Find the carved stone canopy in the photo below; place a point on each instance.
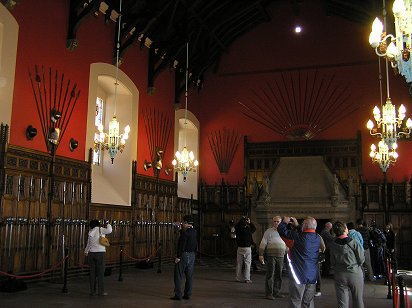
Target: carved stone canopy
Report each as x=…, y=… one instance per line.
x=300, y=187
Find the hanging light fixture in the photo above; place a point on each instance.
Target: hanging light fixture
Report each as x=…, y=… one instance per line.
x=185, y=161
x=113, y=141
x=396, y=48
x=390, y=126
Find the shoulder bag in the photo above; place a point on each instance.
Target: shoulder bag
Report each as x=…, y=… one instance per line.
x=104, y=241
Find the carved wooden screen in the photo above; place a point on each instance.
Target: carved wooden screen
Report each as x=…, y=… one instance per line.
x=343, y=157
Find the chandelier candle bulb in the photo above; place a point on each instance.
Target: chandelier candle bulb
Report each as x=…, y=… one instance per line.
x=113, y=141
x=185, y=161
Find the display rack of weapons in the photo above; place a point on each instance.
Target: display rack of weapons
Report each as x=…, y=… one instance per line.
x=156, y=226
x=23, y=224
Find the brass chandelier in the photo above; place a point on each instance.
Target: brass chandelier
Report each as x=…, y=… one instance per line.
x=185, y=161
x=390, y=125
x=113, y=141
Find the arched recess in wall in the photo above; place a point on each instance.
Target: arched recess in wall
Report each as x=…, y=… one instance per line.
x=187, y=135
x=9, y=30
x=111, y=182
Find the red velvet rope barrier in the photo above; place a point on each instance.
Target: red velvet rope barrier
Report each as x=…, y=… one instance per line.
x=139, y=259
x=35, y=275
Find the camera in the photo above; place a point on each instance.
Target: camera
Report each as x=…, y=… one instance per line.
x=245, y=219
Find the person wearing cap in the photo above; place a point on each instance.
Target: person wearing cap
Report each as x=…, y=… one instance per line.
x=185, y=259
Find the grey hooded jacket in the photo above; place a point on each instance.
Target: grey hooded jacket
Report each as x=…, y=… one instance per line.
x=346, y=255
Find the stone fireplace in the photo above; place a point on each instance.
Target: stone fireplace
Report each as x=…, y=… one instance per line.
x=299, y=187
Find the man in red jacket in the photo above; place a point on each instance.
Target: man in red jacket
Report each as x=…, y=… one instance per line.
x=303, y=260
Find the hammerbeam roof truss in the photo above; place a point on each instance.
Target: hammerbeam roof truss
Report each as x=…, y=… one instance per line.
x=210, y=27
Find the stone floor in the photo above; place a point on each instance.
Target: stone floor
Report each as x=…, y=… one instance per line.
x=214, y=286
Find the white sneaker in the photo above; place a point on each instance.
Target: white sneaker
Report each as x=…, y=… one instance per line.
x=318, y=294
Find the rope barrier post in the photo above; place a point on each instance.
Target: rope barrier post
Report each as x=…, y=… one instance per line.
x=393, y=282
x=121, y=264
x=66, y=265
x=159, y=254
x=407, y=297
x=388, y=276
x=401, y=284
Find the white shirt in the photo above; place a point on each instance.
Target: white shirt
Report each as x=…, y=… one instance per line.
x=93, y=244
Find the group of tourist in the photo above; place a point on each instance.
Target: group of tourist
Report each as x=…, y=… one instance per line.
x=376, y=244
x=346, y=249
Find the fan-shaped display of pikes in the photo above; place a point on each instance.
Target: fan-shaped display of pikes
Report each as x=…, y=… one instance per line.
x=158, y=127
x=224, y=144
x=299, y=105
x=55, y=99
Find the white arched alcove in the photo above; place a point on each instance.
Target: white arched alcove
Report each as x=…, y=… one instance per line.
x=111, y=182
x=187, y=135
x=9, y=31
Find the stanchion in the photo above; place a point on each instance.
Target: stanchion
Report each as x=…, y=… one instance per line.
x=389, y=277
x=66, y=265
x=159, y=254
x=401, y=286
x=121, y=264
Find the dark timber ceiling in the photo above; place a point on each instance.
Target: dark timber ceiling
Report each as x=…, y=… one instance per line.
x=210, y=26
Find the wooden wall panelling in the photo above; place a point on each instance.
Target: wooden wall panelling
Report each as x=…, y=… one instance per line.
x=343, y=157
x=219, y=204
x=157, y=208
x=27, y=233
x=397, y=211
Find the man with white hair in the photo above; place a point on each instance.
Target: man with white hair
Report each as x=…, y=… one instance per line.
x=303, y=260
x=275, y=249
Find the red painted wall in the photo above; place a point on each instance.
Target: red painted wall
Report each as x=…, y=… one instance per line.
x=42, y=41
x=332, y=44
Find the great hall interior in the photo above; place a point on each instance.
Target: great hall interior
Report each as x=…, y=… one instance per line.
x=275, y=119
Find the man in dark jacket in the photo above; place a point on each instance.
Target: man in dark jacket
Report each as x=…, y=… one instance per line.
x=185, y=259
x=303, y=260
x=244, y=230
x=378, y=243
x=364, y=231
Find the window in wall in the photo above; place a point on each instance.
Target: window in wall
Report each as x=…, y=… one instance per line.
x=98, y=120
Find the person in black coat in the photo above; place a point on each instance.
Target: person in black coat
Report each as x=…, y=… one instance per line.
x=390, y=245
x=377, y=243
x=244, y=230
x=185, y=259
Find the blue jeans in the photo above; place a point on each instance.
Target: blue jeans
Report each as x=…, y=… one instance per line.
x=184, y=268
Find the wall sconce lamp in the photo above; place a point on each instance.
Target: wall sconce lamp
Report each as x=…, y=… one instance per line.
x=73, y=144
x=31, y=132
